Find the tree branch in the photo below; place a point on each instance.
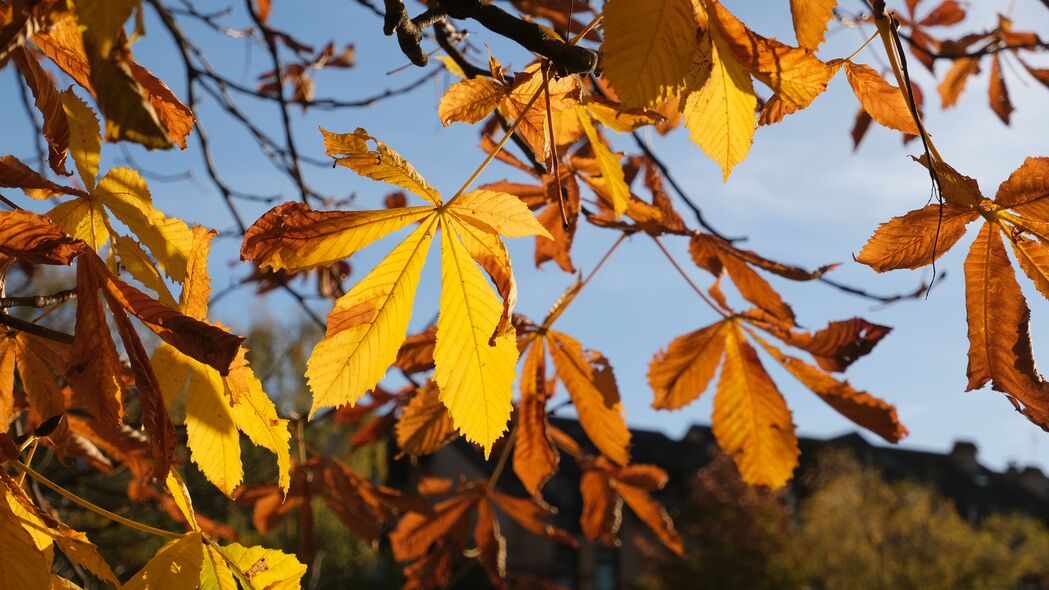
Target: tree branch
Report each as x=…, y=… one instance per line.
x=35, y=329
x=566, y=57
x=38, y=301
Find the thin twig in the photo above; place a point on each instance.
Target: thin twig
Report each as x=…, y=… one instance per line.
x=35, y=329
x=38, y=300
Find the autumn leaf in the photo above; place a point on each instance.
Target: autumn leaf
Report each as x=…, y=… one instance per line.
x=293, y=236
x=592, y=386
x=859, y=406
x=470, y=101
x=751, y=421
x=535, y=458
x=605, y=487
x=608, y=162
x=475, y=378
x=219, y=407
x=647, y=48
x=884, y=102
x=681, y=373
x=916, y=239
x=33, y=238
x=176, y=565
x=355, y=353
x=424, y=426
x=46, y=96
x=810, y=20
x=475, y=352
x=720, y=113
x=352, y=151
x=265, y=568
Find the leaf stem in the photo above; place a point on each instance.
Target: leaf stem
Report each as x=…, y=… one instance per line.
x=570, y=294
x=862, y=47
x=498, y=147
x=688, y=279
x=33, y=444
x=494, y=479
x=25, y=469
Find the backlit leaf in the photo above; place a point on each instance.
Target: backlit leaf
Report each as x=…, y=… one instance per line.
x=475, y=378
x=647, y=48
x=751, y=421
x=367, y=325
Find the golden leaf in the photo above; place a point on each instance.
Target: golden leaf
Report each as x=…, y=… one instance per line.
x=647, y=48
x=751, y=420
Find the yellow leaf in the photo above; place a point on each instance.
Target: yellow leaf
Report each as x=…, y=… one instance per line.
x=720, y=116
x=176, y=566
x=85, y=140
x=475, y=378
x=810, y=20
x=266, y=568
x=215, y=574
x=256, y=416
x=608, y=163
x=500, y=213
x=489, y=251
x=25, y=561
x=135, y=260
x=351, y=150
x=294, y=237
x=451, y=66
x=196, y=289
x=647, y=47
x=211, y=433
x=177, y=488
x=103, y=20
x=125, y=193
x=751, y=420
x=172, y=369
x=367, y=325
x=884, y=102
x=594, y=395
x=470, y=101
x=795, y=74
x=83, y=219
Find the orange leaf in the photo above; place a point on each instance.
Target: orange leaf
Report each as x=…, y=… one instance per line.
x=884, y=102
x=861, y=407
x=998, y=93
x=594, y=394
x=1026, y=191
x=999, y=326
x=810, y=20
x=535, y=459
x=916, y=239
x=679, y=375
x=33, y=238
x=751, y=420
x=424, y=426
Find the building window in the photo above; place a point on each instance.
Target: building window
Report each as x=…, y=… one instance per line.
x=566, y=566
x=606, y=569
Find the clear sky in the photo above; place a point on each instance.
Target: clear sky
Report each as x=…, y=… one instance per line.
x=801, y=196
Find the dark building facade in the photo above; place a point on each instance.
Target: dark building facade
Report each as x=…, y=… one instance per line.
x=976, y=491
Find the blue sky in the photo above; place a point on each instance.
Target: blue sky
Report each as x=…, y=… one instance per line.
x=801, y=196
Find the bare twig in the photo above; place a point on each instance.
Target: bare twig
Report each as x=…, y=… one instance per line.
x=35, y=329
x=38, y=301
